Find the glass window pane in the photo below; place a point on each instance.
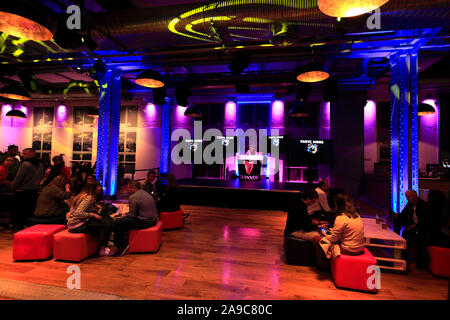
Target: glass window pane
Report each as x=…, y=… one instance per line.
x=121, y=142
x=77, y=141
x=130, y=158
x=131, y=142
x=87, y=156
x=76, y=156
x=37, y=144
x=87, y=142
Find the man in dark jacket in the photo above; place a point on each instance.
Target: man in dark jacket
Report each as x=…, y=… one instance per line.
x=412, y=218
x=142, y=214
x=26, y=185
x=299, y=223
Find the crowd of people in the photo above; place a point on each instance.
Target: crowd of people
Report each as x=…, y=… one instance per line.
x=311, y=218
x=76, y=198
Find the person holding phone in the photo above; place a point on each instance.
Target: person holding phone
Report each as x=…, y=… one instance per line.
x=348, y=229
x=84, y=217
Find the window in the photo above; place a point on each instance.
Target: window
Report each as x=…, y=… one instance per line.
x=42, y=131
x=127, y=137
x=83, y=134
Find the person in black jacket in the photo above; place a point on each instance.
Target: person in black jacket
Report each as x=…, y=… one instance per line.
x=299, y=223
x=153, y=186
x=170, y=200
x=412, y=219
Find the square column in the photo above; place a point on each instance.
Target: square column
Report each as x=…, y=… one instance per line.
x=404, y=129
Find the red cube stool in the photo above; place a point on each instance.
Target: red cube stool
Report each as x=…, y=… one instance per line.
x=74, y=246
x=351, y=272
x=439, y=261
x=172, y=220
x=36, y=242
x=146, y=240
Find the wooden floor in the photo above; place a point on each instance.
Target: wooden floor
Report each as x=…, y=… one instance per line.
x=220, y=254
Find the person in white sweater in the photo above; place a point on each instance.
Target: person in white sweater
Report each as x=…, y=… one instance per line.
x=348, y=229
x=320, y=208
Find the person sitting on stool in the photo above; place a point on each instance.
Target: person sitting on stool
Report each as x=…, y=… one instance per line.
x=320, y=208
x=142, y=215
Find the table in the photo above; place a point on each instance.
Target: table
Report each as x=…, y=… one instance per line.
x=377, y=237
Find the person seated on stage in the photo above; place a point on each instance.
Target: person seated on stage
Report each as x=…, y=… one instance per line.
x=152, y=185
x=84, y=217
x=320, y=208
x=348, y=229
x=412, y=218
x=51, y=200
x=58, y=168
x=170, y=200
x=142, y=215
x=5, y=163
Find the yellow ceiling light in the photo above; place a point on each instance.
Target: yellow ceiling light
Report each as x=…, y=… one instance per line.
x=23, y=21
x=348, y=8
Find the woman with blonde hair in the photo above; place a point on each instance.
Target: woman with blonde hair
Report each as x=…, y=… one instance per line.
x=348, y=229
x=84, y=217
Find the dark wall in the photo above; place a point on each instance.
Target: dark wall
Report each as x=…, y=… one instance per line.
x=444, y=101
x=347, y=134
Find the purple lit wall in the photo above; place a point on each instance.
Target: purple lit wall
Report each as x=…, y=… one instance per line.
x=277, y=115
x=230, y=114
x=324, y=121
x=429, y=136
x=370, y=136
x=324, y=133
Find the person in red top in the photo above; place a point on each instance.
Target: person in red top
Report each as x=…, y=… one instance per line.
x=58, y=168
x=4, y=169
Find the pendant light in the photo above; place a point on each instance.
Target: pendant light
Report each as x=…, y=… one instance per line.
x=348, y=8
x=14, y=113
x=93, y=113
x=20, y=19
x=299, y=110
x=15, y=92
x=425, y=109
x=313, y=72
x=151, y=79
x=193, y=112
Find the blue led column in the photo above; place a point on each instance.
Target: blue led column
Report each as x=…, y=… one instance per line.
x=165, y=137
x=404, y=128
x=108, y=131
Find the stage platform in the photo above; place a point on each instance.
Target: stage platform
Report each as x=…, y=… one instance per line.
x=261, y=194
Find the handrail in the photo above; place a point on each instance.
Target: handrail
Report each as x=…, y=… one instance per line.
x=154, y=169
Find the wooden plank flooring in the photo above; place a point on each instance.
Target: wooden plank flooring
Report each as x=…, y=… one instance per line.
x=220, y=254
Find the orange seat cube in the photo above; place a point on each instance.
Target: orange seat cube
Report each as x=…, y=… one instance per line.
x=172, y=220
x=351, y=272
x=36, y=242
x=439, y=261
x=146, y=240
x=74, y=246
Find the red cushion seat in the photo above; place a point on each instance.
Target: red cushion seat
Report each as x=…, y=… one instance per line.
x=146, y=240
x=172, y=220
x=439, y=261
x=351, y=272
x=36, y=242
x=74, y=246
